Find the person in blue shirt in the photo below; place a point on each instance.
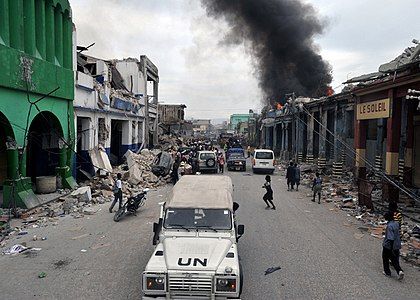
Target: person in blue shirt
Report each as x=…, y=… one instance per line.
x=317, y=187
x=391, y=246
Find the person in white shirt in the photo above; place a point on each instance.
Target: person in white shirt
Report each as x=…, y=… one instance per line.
x=117, y=193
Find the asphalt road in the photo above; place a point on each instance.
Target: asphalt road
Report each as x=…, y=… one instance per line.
x=319, y=257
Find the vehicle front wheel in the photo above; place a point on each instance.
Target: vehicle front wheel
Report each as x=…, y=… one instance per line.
x=241, y=278
x=119, y=214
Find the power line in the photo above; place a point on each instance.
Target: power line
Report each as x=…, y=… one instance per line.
x=400, y=186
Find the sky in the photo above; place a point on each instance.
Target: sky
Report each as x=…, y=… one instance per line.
x=216, y=80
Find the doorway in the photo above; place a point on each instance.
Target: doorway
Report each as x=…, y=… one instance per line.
x=43, y=145
x=116, y=142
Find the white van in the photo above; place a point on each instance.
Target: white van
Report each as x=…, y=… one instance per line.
x=263, y=161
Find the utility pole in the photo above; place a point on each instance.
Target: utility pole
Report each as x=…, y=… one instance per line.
x=293, y=127
x=294, y=135
x=146, y=105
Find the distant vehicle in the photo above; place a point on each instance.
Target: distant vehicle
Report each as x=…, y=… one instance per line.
x=233, y=150
x=262, y=161
x=207, y=161
x=236, y=160
x=131, y=205
x=196, y=254
x=162, y=164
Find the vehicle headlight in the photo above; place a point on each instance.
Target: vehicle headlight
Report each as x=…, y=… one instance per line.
x=155, y=282
x=226, y=284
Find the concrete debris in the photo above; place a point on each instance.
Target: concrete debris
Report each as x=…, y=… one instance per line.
x=83, y=194
x=342, y=192
x=100, y=159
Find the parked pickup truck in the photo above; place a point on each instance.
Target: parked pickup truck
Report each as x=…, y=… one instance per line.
x=196, y=256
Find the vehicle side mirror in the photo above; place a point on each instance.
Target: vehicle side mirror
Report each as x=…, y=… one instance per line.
x=235, y=206
x=241, y=230
x=156, y=229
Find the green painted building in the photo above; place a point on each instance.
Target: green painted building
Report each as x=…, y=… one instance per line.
x=36, y=97
x=235, y=119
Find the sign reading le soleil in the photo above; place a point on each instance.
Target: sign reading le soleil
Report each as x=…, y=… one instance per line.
x=373, y=110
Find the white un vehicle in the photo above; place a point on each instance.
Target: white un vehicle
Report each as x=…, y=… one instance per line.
x=196, y=256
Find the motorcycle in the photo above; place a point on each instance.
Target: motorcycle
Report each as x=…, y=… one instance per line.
x=131, y=205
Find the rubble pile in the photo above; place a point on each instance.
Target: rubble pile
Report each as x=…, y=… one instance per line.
x=136, y=175
x=343, y=193
x=168, y=142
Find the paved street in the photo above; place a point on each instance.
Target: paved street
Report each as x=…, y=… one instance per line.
x=319, y=257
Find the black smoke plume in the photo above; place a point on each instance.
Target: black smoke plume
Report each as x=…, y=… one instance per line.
x=280, y=36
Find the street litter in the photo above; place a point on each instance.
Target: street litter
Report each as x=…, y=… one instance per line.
x=80, y=236
x=16, y=249
x=83, y=250
x=271, y=270
x=358, y=236
x=99, y=246
x=42, y=275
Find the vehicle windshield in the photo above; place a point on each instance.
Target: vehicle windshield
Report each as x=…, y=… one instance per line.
x=216, y=219
x=264, y=155
x=205, y=156
x=236, y=155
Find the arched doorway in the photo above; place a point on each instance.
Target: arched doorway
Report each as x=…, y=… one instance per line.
x=6, y=137
x=43, y=151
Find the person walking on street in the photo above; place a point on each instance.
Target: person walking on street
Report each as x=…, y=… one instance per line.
x=296, y=176
x=117, y=193
x=391, y=246
x=175, y=167
x=290, y=177
x=317, y=187
x=268, y=196
x=221, y=161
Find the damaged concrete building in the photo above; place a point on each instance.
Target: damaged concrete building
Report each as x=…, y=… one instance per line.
x=311, y=142
x=172, y=119
x=371, y=126
x=115, y=110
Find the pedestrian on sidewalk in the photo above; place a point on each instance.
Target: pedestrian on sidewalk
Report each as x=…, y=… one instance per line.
x=290, y=176
x=391, y=247
x=317, y=187
x=117, y=193
x=221, y=161
x=296, y=176
x=268, y=196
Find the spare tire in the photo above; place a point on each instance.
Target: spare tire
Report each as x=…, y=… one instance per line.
x=210, y=162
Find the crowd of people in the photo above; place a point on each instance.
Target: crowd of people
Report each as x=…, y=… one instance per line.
x=189, y=155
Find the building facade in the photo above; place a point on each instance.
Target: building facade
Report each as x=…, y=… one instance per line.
x=111, y=108
x=373, y=126
x=201, y=127
x=172, y=119
x=383, y=102
x=36, y=97
x=235, y=119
